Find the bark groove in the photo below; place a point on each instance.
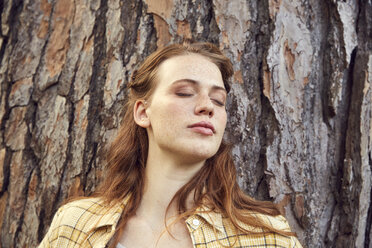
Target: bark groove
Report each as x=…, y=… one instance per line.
x=300, y=107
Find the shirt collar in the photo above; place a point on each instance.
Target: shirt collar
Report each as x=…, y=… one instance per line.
x=112, y=215
x=211, y=217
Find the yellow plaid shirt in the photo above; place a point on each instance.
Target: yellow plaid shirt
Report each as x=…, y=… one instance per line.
x=89, y=223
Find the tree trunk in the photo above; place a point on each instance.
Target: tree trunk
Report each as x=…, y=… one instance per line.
x=300, y=108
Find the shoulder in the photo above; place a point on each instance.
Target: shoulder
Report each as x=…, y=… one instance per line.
x=72, y=211
x=256, y=222
x=86, y=213
x=278, y=222
x=85, y=205
x=218, y=230
x=75, y=221
x=262, y=238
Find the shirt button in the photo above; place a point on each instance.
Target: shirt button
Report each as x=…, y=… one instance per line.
x=196, y=222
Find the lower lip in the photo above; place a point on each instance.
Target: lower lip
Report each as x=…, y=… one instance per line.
x=203, y=130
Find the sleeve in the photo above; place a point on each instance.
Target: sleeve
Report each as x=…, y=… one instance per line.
x=50, y=236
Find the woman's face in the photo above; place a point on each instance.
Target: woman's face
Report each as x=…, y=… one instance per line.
x=186, y=113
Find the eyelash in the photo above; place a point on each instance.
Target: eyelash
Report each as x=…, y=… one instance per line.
x=186, y=95
x=218, y=103
x=183, y=94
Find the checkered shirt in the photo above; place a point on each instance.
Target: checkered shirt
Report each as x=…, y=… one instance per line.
x=89, y=223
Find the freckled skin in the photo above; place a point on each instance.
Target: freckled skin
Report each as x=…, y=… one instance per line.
x=189, y=89
x=175, y=106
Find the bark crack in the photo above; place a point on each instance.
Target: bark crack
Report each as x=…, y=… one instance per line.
x=368, y=232
x=96, y=87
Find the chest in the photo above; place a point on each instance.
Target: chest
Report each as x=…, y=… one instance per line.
x=140, y=234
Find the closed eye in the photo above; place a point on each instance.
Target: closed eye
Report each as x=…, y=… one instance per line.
x=183, y=94
x=219, y=103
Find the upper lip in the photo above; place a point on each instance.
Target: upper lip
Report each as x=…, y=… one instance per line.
x=205, y=124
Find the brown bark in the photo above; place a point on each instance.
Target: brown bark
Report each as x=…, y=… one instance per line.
x=300, y=108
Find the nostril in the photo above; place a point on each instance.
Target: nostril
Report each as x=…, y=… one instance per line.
x=204, y=108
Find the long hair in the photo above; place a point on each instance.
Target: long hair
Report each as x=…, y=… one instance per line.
x=215, y=184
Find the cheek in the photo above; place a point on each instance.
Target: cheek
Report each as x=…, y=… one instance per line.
x=176, y=109
x=222, y=120
x=169, y=114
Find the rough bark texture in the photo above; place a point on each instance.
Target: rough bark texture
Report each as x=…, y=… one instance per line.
x=300, y=109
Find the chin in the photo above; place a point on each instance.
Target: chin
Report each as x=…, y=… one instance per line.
x=197, y=154
x=191, y=151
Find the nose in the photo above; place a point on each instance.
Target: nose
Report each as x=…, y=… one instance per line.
x=204, y=106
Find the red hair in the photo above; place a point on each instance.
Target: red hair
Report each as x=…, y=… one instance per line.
x=215, y=184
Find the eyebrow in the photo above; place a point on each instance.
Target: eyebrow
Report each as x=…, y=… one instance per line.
x=187, y=80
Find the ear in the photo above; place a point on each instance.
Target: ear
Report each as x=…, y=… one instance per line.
x=140, y=115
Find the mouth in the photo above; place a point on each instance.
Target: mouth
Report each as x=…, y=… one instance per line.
x=203, y=127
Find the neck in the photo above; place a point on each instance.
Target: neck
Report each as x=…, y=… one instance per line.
x=164, y=177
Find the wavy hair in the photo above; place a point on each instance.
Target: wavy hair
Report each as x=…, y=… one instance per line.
x=215, y=184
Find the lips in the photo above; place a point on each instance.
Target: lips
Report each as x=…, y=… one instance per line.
x=203, y=127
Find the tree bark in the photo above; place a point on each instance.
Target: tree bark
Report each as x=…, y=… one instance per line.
x=300, y=108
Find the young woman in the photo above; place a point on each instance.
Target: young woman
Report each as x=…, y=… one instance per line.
x=171, y=181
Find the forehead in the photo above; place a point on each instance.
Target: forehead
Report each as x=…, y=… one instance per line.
x=191, y=66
